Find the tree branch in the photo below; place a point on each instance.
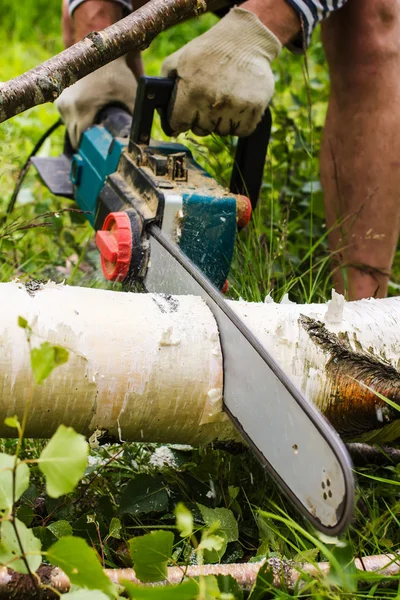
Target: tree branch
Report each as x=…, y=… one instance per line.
x=364, y=454
x=135, y=32
x=286, y=574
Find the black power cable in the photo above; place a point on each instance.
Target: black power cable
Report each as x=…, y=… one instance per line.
x=27, y=164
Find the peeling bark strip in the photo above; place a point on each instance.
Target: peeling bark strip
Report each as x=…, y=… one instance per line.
x=324, y=347
x=152, y=370
x=141, y=366
x=135, y=32
x=286, y=575
x=354, y=409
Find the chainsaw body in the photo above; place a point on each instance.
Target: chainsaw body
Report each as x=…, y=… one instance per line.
x=154, y=209
x=119, y=169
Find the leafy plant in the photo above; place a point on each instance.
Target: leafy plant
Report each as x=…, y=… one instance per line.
x=63, y=463
x=284, y=250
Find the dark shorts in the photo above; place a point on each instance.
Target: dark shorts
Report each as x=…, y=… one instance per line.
x=311, y=12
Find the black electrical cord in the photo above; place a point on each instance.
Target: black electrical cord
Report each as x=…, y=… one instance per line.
x=27, y=164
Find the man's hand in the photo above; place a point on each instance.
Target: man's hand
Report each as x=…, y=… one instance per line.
x=79, y=104
x=224, y=77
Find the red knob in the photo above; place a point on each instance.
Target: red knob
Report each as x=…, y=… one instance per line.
x=243, y=210
x=225, y=287
x=114, y=242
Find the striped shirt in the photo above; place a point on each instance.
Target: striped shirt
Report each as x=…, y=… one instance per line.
x=311, y=12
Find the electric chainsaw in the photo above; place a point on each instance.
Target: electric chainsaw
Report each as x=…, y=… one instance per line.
x=163, y=222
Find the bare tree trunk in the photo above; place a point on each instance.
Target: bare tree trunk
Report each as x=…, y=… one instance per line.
x=286, y=574
x=149, y=368
x=135, y=32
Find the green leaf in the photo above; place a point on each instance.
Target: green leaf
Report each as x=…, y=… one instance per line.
x=61, y=355
x=45, y=359
x=150, y=554
x=222, y=519
x=264, y=582
x=345, y=574
x=213, y=546
x=80, y=563
x=212, y=591
x=234, y=504
x=22, y=322
x=25, y=514
x=7, y=463
x=45, y=536
x=184, y=520
x=115, y=528
x=10, y=551
x=144, y=494
x=63, y=461
x=12, y=422
x=60, y=528
x=212, y=542
x=185, y=591
x=60, y=509
x=88, y=527
x=309, y=555
x=233, y=492
x=228, y=585
x=86, y=595
x=223, y=525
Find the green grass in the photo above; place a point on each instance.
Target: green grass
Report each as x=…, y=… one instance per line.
x=284, y=251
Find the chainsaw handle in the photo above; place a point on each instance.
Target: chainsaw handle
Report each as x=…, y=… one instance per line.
x=155, y=93
x=250, y=155
x=152, y=93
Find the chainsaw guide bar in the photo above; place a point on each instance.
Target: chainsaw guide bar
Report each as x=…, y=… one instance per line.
x=291, y=438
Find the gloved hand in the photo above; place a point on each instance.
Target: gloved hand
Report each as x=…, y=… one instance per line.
x=224, y=77
x=79, y=104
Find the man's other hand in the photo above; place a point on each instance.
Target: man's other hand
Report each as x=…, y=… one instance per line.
x=79, y=104
x=224, y=77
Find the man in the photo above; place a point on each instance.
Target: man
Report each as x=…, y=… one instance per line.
x=225, y=81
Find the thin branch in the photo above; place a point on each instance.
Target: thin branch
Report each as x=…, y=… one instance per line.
x=14, y=525
x=97, y=473
x=135, y=32
x=364, y=454
x=286, y=574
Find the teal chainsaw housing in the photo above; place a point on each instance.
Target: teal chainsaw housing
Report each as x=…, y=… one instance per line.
x=124, y=182
x=207, y=221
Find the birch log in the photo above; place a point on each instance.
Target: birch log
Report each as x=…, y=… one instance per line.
x=148, y=367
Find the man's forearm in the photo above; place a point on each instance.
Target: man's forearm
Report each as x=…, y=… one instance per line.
x=94, y=15
x=67, y=26
x=278, y=16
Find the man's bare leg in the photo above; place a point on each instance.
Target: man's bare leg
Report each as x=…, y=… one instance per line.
x=360, y=161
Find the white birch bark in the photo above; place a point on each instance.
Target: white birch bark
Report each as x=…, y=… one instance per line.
x=141, y=366
x=145, y=367
x=332, y=351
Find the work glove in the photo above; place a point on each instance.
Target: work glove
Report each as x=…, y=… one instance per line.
x=79, y=104
x=224, y=77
